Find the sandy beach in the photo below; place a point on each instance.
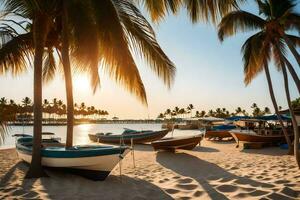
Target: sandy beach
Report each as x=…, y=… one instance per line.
x=212, y=171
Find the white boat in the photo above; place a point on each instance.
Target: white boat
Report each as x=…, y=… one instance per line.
x=91, y=161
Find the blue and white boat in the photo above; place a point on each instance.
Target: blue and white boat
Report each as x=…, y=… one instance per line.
x=91, y=161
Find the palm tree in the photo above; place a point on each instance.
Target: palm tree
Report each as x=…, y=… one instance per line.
x=161, y=116
x=130, y=26
x=190, y=108
x=168, y=112
x=279, y=18
x=267, y=110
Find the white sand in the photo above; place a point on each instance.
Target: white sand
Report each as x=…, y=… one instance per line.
x=212, y=171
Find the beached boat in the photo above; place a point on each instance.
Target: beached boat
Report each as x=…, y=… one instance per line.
x=137, y=137
x=259, y=130
x=219, y=132
x=91, y=161
x=270, y=136
x=173, y=143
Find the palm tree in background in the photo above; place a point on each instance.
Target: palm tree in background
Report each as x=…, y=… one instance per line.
x=279, y=17
x=190, y=108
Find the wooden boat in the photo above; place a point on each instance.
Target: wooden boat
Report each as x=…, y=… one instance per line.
x=259, y=130
x=219, y=132
x=173, y=143
x=138, y=137
x=91, y=161
x=252, y=136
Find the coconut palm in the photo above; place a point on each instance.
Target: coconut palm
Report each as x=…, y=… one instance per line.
x=279, y=18
x=130, y=26
x=280, y=62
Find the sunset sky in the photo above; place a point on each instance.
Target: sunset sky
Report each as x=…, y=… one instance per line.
x=209, y=75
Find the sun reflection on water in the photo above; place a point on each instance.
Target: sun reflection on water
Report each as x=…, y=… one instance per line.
x=82, y=131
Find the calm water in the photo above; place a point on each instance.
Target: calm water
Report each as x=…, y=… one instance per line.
x=81, y=131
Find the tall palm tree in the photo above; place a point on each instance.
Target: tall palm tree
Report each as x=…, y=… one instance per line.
x=40, y=13
x=279, y=18
x=127, y=25
x=281, y=63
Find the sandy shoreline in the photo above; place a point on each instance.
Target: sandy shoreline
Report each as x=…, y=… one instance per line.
x=212, y=171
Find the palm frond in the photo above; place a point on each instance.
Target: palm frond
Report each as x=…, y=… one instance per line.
x=143, y=41
x=206, y=10
x=114, y=49
x=85, y=44
x=292, y=22
x=279, y=53
x=239, y=21
x=158, y=9
x=294, y=39
x=49, y=66
x=15, y=54
x=255, y=54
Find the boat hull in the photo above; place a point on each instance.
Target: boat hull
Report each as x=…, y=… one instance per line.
x=217, y=134
x=251, y=136
x=187, y=143
x=91, y=161
x=136, y=138
x=95, y=168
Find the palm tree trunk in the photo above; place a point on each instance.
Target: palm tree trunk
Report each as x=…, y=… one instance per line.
x=68, y=78
x=292, y=49
x=294, y=121
x=267, y=72
x=41, y=25
x=293, y=73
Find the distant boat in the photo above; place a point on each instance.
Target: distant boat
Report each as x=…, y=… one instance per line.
x=91, y=161
x=220, y=131
x=173, y=143
x=138, y=137
x=262, y=130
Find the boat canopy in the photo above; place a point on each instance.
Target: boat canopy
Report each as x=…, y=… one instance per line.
x=274, y=118
x=211, y=119
x=267, y=118
x=237, y=118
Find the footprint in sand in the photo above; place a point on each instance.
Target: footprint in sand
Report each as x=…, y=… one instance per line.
x=227, y=188
x=185, y=198
x=172, y=191
x=257, y=193
x=176, y=177
x=290, y=192
x=279, y=196
x=282, y=181
x=187, y=187
x=185, y=180
x=198, y=193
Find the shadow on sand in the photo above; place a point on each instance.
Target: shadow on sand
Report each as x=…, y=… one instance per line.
x=215, y=181
x=205, y=149
x=270, y=151
x=143, y=147
x=61, y=185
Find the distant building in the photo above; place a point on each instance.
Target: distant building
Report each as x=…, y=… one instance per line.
x=115, y=118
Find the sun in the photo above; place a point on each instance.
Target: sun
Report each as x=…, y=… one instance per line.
x=81, y=83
